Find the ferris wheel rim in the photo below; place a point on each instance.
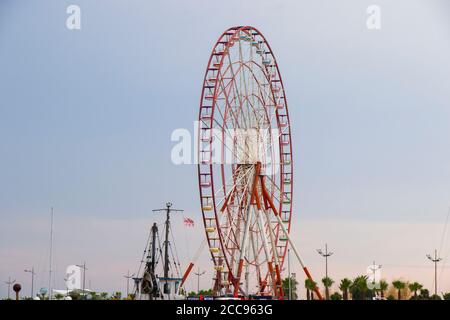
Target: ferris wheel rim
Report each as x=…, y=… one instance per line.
x=229, y=33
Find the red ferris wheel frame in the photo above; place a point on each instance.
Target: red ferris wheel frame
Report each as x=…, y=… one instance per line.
x=227, y=255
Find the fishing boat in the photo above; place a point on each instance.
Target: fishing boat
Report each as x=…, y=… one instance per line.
x=159, y=274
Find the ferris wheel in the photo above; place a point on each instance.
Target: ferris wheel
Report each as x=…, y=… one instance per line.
x=245, y=168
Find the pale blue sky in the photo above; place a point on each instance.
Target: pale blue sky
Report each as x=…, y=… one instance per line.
x=86, y=116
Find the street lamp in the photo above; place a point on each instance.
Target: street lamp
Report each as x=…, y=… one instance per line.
x=128, y=277
x=435, y=260
x=325, y=254
x=9, y=283
x=198, y=274
x=32, y=279
x=83, y=266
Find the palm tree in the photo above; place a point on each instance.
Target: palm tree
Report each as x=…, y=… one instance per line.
x=310, y=286
x=344, y=286
x=327, y=283
x=424, y=294
x=359, y=289
x=383, y=287
x=414, y=287
x=399, y=285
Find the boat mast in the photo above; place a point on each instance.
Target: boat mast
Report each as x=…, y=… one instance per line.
x=154, y=232
x=168, y=210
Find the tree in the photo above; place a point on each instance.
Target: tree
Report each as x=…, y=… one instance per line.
x=310, y=286
x=59, y=296
x=104, y=295
x=117, y=295
x=359, y=289
x=327, y=283
x=344, y=286
x=414, y=287
x=285, y=284
x=399, y=285
x=435, y=297
x=336, y=296
x=75, y=295
x=446, y=296
x=93, y=296
x=424, y=294
x=383, y=287
x=208, y=292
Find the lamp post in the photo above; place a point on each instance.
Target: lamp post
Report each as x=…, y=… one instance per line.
x=199, y=274
x=435, y=260
x=325, y=254
x=9, y=283
x=128, y=277
x=32, y=279
x=83, y=266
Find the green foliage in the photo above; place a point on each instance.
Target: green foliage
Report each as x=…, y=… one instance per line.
x=446, y=296
x=208, y=292
x=59, y=296
x=117, y=295
x=75, y=295
x=424, y=294
x=414, y=287
x=344, y=287
x=399, y=285
x=360, y=290
x=336, y=296
x=93, y=296
x=310, y=286
x=327, y=283
x=383, y=286
x=435, y=297
x=285, y=284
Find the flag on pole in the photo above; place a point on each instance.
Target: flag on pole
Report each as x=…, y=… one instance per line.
x=188, y=222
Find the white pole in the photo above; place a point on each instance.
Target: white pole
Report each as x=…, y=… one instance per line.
x=51, y=257
x=289, y=271
x=290, y=241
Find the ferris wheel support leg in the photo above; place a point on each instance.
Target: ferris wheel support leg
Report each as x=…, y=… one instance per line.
x=243, y=247
x=275, y=256
x=297, y=254
x=267, y=252
x=255, y=254
x=242, y=253
x=194, y=261
x=186, y=273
